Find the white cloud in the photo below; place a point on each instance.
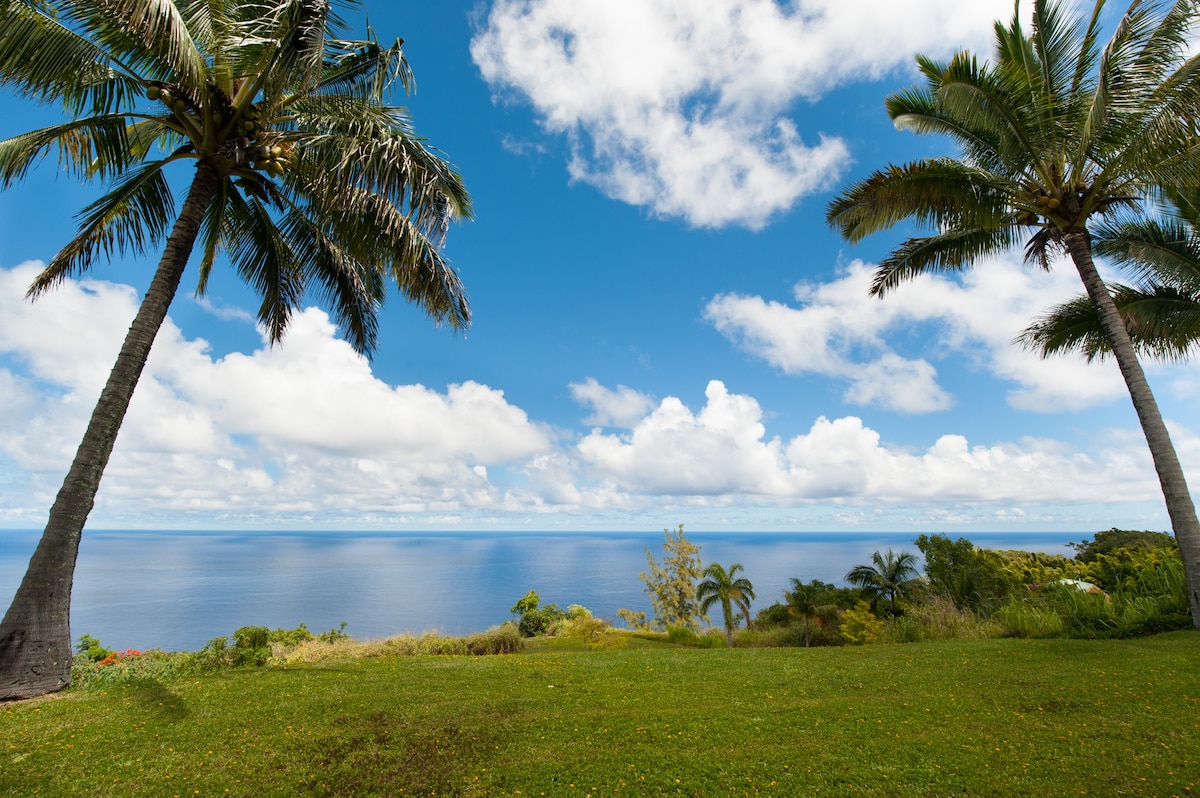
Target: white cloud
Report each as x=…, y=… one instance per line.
x=300, y=428
x=838, y=330
x=722, y=451
x=683, y=107
x=304, y=434
x=623, y=407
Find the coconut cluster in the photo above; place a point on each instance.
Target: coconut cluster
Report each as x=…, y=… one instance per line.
x=1047, y=202
x=267, y=151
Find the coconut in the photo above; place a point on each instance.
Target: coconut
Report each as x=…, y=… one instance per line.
x=153, y=92
x=1053, y=203
x=179, y=106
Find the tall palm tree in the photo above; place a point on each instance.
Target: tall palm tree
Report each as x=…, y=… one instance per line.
x=1161, y=310
x=888, y=576
x=304, y=176
x=1055, y=132
x=728, y=589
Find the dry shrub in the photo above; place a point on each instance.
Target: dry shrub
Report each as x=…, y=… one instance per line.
x=940, y=619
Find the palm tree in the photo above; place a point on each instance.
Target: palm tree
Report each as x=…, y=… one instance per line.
x=304, y=176
x=1055, y=131
x=888, y=576
x=802, y=603
x=1161, y=312
x=723, y=587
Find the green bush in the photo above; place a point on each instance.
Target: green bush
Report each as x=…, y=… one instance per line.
x=290, y=638
x=89, y=649
x=251, y=646
x=859, y=625
x=538, y=621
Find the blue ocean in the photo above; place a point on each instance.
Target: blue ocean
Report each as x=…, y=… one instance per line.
x=177, y=590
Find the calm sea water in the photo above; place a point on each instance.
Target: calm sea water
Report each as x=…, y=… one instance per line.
x=177, y=590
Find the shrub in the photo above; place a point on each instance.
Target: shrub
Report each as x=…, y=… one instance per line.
x=859, y=625
x=290, y=638
x=89, y=649
x=503, y=639
x=251, y=647
x=539, y=621
x=682, y=636
x=775, y=615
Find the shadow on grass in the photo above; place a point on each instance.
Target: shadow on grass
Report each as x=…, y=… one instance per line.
x=157, y=700
x=379, y=754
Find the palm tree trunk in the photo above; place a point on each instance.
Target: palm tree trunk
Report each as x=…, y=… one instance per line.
x=35, y=635
x=1180, y=507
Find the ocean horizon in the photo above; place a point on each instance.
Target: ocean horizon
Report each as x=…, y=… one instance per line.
x=175, y=590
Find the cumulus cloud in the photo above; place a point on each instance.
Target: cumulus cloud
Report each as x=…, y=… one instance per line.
x=622, y=407
x=304, y=434
x=723, y=451
x=303, y=428
x=689, y=109
x=836, y=329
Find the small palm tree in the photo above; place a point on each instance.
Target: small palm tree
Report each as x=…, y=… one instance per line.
x=729, y=590
x=304, y=176
x=802, y=603
x=888, y=576
x=1056, y=132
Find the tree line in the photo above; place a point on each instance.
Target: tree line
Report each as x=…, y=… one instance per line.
x=1117, y=583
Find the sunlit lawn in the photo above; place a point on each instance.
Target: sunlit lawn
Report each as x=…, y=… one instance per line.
x=969, y=718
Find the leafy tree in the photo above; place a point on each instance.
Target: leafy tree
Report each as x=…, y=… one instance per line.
x=727, y=589
x=303, y=175
x=1056, y=131
x=1114, y=539
x=672, y=585
x=972, y=578
x=888, y=576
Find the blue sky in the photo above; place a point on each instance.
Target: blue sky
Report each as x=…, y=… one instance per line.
x=665, y=329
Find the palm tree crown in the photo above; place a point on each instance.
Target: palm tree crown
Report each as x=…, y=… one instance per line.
x=729, y=590
x=1161, y=310
x=888, y=576
x=1055, y=132
x=305, y=178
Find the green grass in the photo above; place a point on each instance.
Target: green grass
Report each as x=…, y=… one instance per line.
x=949, y=718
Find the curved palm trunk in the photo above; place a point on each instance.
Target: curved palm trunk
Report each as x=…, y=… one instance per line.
x=35, y=635
x=1180, y=507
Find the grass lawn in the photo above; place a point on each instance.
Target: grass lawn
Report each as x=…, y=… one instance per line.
x=962, y=718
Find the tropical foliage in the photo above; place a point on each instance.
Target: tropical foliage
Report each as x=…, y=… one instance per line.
x=303, y=175
x=1056, y=131
x=888, y=576
x=728, y=590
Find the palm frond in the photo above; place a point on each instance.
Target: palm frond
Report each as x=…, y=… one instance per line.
x=45, y=60
x=1163, y=323
x=151, y=36
x=1165, y=251
x=937, y=193
x=951, y=251
x=134, y=214
x=266, y=260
